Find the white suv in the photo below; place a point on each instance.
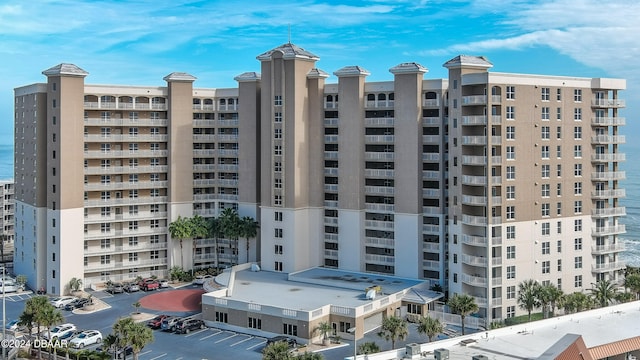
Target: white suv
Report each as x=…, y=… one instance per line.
x=59, y=330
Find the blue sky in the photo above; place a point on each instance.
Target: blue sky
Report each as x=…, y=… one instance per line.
x=139, y=42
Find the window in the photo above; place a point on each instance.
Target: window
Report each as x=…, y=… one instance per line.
x=511, y=252
x=559, y=265
x=155, y=161
x=133, y=162
x=511, y=152
x=154, y=177
x=255, y=323
x=577, y=188
x=277, y=266
x=154, y=223
x=511, y=311
x=545, y=92
x=105, y=243
x=511, y=172
x=545, y=171
x=133, y=147
x=277, y=216
x=577, y=133
x=559, y=246
x=414, y=309
x=559, y=189
x=277, y=117
x=133, y=131
x=559, y=170
x=577, y=281
x=544, y=151
x=577, y=169
x=545, y=190
x=545, y=211
x=577, y=95
x=559, y=151
x=277, y=232
x=511, y=92
x=577, y=225
x=105, y=259
x=577, y=244
x=559, y=212
x=559, y=132
x=278, y=249
x=105, y=211
x=544, y=132
x=277, y=166
x=277, y=134
x=133, y=257
x=133, y=178
x=511, y=292
x=511, y=132
x=277, y=183
x=133, y=225
x=545, y=229
x=559, y=94
x=511, y=112
x=546, y=248
x=511, y=212
x=133, y=193
x=578, y=262
x=577, y=114
x=222, y=317
x=105, y=227
x=511, y=232
x=277, y=100
x=277, y=150
x=511, y=192
x=511, y=272
x=277, y=200
x=577, y=206
x=546, y=267
x=133, y=241
x=544, y=113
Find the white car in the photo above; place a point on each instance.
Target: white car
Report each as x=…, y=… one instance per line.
x=201, y=279
x=61, y=302
x=59, y=331
x=86, y=338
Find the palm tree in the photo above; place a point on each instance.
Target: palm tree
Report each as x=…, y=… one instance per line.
x=51, y=316
x=556, y=298
x=277, y=351
x=603, y=292
x=27, y=320
x=110, y=342
x=462, y=305
x=368, y=347
x=181, y=229
x=215, y=231
x=547, y=294
x=249, y=230
x=75, y=284
x=36, y=307
x=230, y=227
x=139, y=336
x=430, y=326
x=324, y=328
x=632, y=282
x=199, y=229
x=393, y=329
x=528, y=291
x=122, y=332
x=577, y=302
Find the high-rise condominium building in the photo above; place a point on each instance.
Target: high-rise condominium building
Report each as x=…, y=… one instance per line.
x=475, y=182
x=7, y=219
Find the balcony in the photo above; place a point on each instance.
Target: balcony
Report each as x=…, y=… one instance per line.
x=431, y=193
x=227, y=197
x=388, y=208
x=474, y=260
x=379, y=122
x=331, y=254
x=204, y=153
x=608, y=103
x=228, y=152
x=378, y=173
x=125, y=264
x=430, y=102
x=608, y=157
x=124, y=106
x=431, y=139
x=474, y=200
x=474, y=280
x=608, y=121
x=331, y=187
x=227, y=167
x=330, y=139
x=203, y=137
x=607, y=212
x=125, y=122
x=474, y=240
x=614, y=266
x=99, y=154
x=474, y=220
x=205, y=182
x=331, y=221
x=431, y=121
x=431, y=265
x=608, y=139
x=228, y=123
x=608, y=175
x=102, y=138
x=474, y=100
x=204, y=167
x=430, y=229
x=430, y=157
x=205, y=212
x=385, y=156
x=331, y=171
x=379, y=190
x=607, y=249
x=431, y=247
x=331, y=122
x=379, y=139
x=331, y=155
x=331, y=203
x=474, y=160
x=126, y=201
x=227, y=137
x=431, y=175
x=608, y=230
x=380, y=242
x=431, y=210
x=379, y=259
x=125, y=185
x=608, y=194
x=474, y=180
x=378, y=224
x=474, y=140
x=474, y=120
x=100, y=170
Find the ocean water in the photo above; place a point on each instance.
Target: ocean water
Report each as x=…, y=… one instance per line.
x=632, y=201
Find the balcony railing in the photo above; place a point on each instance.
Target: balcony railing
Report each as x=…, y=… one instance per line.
x=606, y=212
x=608, y=175
x=608, y=230
x=608, y=103
x=608, y=157
x=608, y=121
x=613, y=266
x=606, y=249
x=608, y=194
x=608, y=139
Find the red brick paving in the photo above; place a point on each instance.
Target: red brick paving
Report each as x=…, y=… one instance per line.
x=175, y=300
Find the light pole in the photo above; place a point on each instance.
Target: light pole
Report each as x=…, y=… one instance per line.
x=4, y=315
x=355, y=346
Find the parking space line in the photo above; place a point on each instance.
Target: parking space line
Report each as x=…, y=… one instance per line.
x=256, y=345
x=144, y=353
x=196, y=332
x=228, y=337
x=208, y=336
x=159, y=356
x=241, y=341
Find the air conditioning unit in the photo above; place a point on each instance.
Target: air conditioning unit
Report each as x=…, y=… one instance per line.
x=479, y=357
x=412, y=350
x=441, y=354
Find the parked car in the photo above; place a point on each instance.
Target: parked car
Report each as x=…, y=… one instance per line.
x=156, y=322
x=78, y=303
x=13, y=325
x=164, y=283
x=131, y=287
x=201, y=279
x=58, y=331
x=148, y=284
x=68, y=336
x=292, y=343
x=85, y=338
x=119, y=354
x=61, y=302
x=115, y=288
x=186, y=325
x=169, y=323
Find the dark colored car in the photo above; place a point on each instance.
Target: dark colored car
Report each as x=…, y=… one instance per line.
x=291, y=342
x=156, y=322
x=77, y=304
x=187, y=325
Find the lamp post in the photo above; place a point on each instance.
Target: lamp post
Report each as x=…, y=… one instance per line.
x=4, y=315
x=355, y=346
